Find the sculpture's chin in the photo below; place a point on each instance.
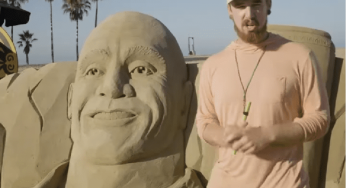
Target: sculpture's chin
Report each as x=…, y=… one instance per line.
x=103, y=143
x=123, y=156
x=112, y=145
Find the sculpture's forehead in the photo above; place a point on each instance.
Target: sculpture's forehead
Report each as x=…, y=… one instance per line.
x=124, y=31
x=131, y=25
x=132, y=20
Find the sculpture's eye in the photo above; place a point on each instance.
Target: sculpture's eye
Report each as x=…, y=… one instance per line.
x=93, y=72
x=141, y=71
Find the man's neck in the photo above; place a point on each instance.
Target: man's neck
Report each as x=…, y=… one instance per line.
x=263, y=38
x=162, y=171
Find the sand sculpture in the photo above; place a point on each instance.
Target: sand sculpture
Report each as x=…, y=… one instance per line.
x=333, y=155
x=128, y=109
x=35, y=130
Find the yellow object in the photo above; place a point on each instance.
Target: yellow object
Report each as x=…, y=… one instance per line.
x=247, y=110
x=245, y=116
x=8, y=55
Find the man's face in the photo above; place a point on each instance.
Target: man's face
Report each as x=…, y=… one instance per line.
x=250, y=19
x=126, y=101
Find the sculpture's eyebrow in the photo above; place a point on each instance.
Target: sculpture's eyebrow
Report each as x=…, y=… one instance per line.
x=145, y=51
x=94, y=56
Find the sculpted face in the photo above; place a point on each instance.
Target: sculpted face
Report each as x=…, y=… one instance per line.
x=130, y=91
x=250, y=19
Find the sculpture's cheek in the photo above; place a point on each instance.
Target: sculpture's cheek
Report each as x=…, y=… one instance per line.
x=106, y=142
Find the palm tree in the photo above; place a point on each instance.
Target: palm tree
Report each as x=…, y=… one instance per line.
x=97, y=7
x=26, y=39
x=76, y=9
x=16, y=3
x=51, y=27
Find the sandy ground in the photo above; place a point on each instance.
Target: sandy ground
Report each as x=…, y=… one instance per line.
x=340, y=52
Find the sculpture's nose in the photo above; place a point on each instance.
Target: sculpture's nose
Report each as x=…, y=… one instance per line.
x=115, y=84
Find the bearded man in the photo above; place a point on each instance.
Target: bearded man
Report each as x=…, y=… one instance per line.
x=275, y=85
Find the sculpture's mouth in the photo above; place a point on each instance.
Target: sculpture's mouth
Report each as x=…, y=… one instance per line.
x=113, y=115
x=114, y=118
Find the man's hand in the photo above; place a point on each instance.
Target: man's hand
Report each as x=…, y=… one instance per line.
x=248, y=140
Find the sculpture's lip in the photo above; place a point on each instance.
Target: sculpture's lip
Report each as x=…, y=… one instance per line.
x=112, y=114
x=111, y=118
x=120, y=122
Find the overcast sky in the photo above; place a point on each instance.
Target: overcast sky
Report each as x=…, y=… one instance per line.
x=205, y=20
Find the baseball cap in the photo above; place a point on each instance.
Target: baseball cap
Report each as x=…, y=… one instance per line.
x=228, y=1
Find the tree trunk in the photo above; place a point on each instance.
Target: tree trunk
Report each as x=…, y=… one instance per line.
x=77, y=38
x=51, y=28
x=12, y=33
x=97, y=7
x=12, y=3
x=27, y=59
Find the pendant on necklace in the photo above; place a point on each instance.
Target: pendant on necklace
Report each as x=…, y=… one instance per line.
x=244, y=103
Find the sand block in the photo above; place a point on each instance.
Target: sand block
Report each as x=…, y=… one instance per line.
x=34, y=117
x=200, y=156
x=335, y=144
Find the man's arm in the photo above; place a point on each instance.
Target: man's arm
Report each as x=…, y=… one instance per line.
x=314, y=99
x=315, y=121
x=208, y=126
x=285, y=134
x=214, y=135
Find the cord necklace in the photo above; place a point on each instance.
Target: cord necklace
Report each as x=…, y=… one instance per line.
x=245, y=90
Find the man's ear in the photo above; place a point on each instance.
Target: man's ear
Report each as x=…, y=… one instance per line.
x=69, y=100
x=230, y=13
x=269, y=6
x=188, y=88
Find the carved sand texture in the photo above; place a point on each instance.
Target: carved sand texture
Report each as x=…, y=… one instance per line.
x=200, y=156
x=335, y=140
x=37, y=131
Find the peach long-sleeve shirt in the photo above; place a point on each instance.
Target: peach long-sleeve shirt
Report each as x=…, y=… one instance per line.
x=287, y=87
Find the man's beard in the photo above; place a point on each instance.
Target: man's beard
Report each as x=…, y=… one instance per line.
x=253, y=37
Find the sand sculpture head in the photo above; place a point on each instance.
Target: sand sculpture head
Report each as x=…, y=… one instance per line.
x=250, y=18
x=131, y=94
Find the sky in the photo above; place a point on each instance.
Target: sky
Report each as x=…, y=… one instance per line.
x=205, y=20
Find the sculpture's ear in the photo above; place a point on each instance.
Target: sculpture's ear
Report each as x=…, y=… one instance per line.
x=188, y=88
x=69, y=100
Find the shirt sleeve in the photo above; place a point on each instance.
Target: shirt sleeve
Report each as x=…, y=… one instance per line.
x=205, y=111
x=314, y=100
